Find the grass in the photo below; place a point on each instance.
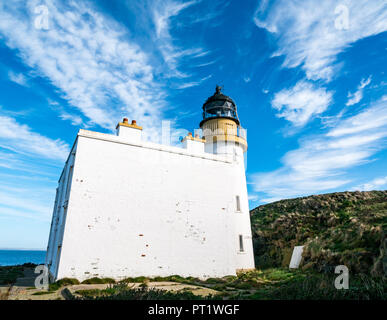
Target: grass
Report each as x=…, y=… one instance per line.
x=264, y=284
x=96, y=280
x=122, y=292
x=71, y=281
x=345, y=228
x=321, y=287
x=268, y=284
x=62, y=282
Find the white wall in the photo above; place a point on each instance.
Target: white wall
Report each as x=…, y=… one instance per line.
x=148, y=210
x=241, y=219
x=60, y=213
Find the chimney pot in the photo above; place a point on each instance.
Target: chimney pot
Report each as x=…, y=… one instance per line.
x=190, y=134
x=125, y=120
x=134, y=122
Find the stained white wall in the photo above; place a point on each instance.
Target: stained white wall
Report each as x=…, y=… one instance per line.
x=143, y=209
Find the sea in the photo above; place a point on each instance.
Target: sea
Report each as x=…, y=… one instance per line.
x=17, y=257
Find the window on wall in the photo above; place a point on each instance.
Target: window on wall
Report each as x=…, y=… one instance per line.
x=238, y=203
x=58, y=251
x=241, y=249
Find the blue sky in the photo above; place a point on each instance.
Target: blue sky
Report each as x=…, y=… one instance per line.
x=308, y=78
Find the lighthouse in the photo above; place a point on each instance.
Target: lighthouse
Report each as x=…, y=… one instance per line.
x=221, y=127
x=224, y=136
x=127, y=207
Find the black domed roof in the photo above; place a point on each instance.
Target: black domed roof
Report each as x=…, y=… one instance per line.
x=219, y=106
x=218, y=96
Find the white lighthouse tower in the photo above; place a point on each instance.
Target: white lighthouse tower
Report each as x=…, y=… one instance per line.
x=127, y=207
x=224, y=136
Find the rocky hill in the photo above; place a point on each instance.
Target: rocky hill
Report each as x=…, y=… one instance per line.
x=346, y=228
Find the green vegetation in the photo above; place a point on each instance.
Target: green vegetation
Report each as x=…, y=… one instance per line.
x=347, y=228
x=62, y=282
x=9, y=274
x=123, y=292
x=98, y=281
x=280, y=284
x=134, y=280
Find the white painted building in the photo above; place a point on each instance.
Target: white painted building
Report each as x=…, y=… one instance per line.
x=126, y=207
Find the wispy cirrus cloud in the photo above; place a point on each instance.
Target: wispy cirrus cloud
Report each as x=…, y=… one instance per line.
x=374, y=184
x=90, y=58
x=75, y=119
x=301, y=103
x=190, y=84
x=19, y=138
x=18, y=78
x=371, y=119
x=163, y=13
x=11, y=205
x=321, y=161
x=312, y=38
x=354, y=98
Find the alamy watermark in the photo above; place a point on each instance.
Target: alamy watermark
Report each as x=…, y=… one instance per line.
x=42, y=280
x=342, y=19
x=342, y=281
x=41, y=21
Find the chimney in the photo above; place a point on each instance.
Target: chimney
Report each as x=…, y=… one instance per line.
x=129, y=132
x=193, y=144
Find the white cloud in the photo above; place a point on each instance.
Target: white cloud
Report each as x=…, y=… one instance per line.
x=163, y=12
x=321, y=161
x=370, y=119
x=18, y=78
x=358, y=95
x=89, y=57
x=34, y=198
x=74, y=119
x=185, y=85
x=253, y=197
x=21, y=139
x=377, y=183
x=309, y=34
x=10, y=204
x=301, y=103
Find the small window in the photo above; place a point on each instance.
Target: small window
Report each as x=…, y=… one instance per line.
x=58, y=251
x=238, y=203
x=241, y=249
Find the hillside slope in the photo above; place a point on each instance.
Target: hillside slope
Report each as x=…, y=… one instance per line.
x=346, y=228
